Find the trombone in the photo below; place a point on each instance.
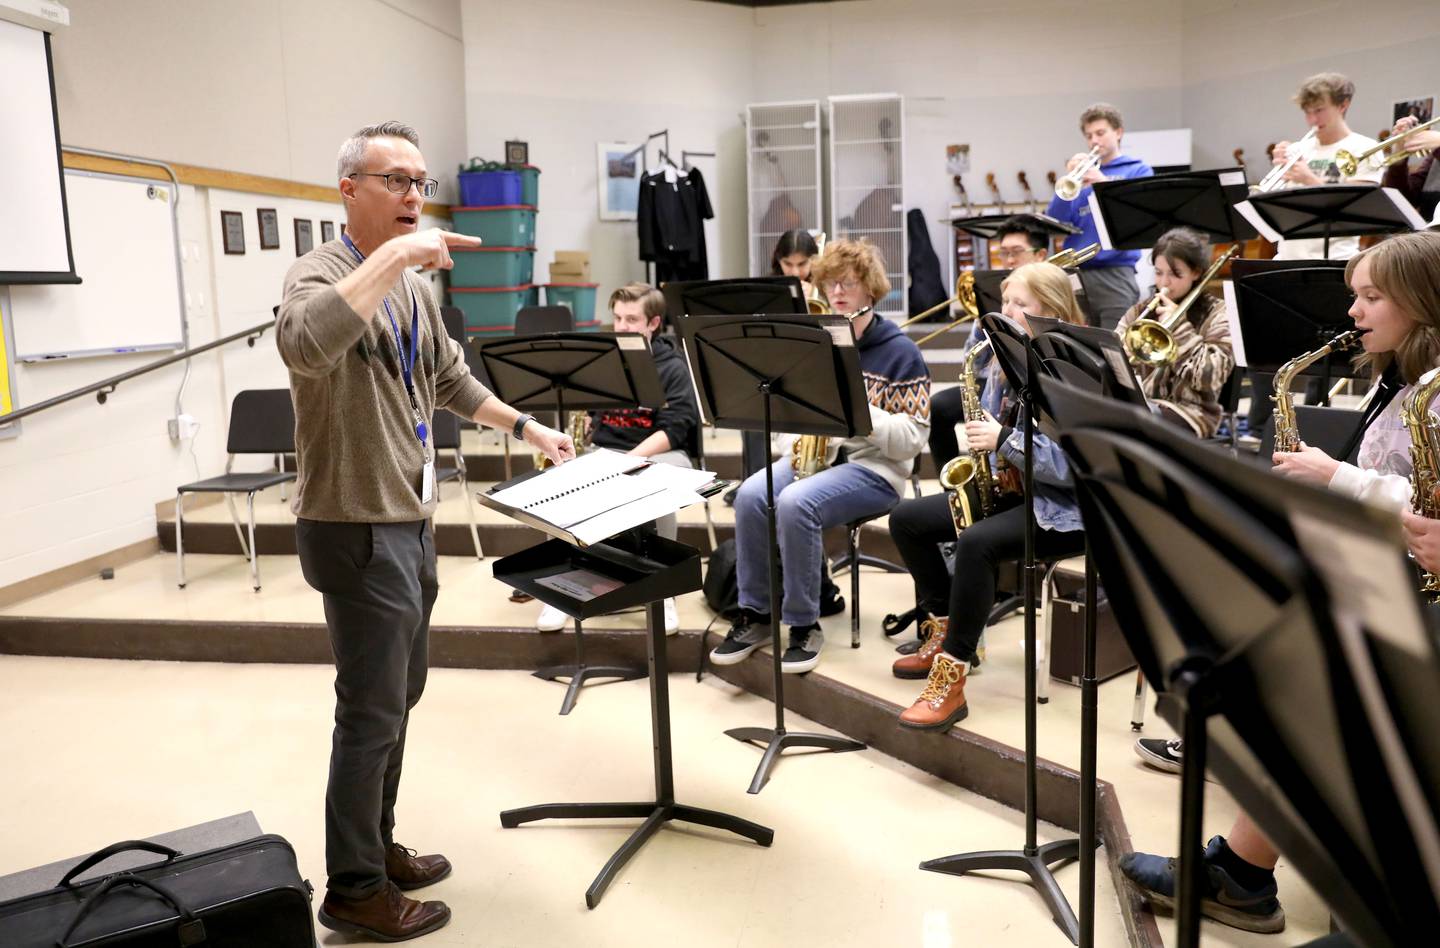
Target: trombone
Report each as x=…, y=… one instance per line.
x=1276, y=176
x=1073, y=258
x=1152, y=342
x=1349, y=164
x=1068, y=187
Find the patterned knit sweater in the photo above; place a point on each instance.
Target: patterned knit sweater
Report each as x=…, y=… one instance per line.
x=1190, y=386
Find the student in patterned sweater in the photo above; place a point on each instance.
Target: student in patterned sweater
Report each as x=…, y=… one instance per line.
x=897, y=384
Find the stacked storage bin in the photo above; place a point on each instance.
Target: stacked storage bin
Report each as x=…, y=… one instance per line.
x=493, y=282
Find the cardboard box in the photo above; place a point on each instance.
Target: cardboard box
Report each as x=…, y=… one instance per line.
x=578, y=257
x=559, y=274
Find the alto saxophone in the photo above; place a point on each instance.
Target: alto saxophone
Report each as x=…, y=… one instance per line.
x=1424, y=428
x=968, y=478
x=1287, y=431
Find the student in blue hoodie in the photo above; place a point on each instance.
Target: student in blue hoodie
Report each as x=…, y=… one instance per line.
x=1109, y=277
x=897, y=385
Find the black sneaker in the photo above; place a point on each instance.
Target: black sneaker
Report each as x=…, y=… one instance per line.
x=1225, y=900
x=748, y=632
x=804, y=651
x=1161, y=754
x=831, y=602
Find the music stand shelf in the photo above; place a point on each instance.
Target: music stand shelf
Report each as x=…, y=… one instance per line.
x=647, y=569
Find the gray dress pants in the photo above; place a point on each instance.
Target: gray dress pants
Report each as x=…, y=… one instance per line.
x=1108, y=293
x=379, y=585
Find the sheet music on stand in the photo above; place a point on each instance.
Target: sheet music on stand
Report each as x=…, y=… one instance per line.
x=597, y=495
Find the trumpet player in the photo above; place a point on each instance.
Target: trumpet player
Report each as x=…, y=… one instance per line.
x=1325, y=100
x=956, y=608
x=1108, y=278
x=897, y=385
x=659, y=434
x=1187, y=389
x=1411, y=177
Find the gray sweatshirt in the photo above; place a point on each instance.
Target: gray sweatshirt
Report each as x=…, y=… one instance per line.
x=355, y=445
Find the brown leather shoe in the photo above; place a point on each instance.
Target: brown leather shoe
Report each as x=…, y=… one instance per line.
x=918, y=664
x=385, y=916
x=409, y=870
x=942, y=703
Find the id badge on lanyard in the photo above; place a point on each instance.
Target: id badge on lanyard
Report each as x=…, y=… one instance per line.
x=407, y=371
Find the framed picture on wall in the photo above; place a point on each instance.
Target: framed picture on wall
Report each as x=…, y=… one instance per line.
x=269, y=228
x=327, y=231
x=617, y=167
x=304, y=237
x=1422, y=108
x=232, y=231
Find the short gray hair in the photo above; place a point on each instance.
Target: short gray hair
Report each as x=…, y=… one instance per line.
x=352, y=153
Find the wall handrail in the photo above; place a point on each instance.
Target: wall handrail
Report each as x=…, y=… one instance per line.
x=102, y=389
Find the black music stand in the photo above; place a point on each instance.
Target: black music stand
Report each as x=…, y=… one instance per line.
x=645, y=569
x=1013, y=351
x=1326, y=211
x=986, y=226
x=1280, y=309
x=798, y=373
x=1323, y=683
x=589, y=370
x=1131, y=214
x=733, y=297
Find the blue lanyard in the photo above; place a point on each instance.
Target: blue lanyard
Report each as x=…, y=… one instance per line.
x=407, y=360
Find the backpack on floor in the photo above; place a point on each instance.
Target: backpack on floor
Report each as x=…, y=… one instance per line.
x=722, y=592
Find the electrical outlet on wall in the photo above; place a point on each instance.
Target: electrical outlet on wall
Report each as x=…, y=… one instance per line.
x=182, y=428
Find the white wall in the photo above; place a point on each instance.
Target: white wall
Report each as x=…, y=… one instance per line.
x=1009, y=79
x=566, y=74
x=266, y=88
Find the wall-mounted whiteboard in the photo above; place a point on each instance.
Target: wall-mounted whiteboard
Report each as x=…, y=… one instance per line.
x=126, y=255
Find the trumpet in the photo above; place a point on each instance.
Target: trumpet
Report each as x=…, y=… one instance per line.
x=1298, y=151
x=1349, y=164
x=1073, y=258
x=1150, y=341
x=1068, y=187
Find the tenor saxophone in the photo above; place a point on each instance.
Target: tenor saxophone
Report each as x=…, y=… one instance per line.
x=1424, y=428
x=967, y=478
x=808, y=454
x=1287, y=431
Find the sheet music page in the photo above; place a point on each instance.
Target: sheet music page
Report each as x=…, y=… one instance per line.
x=1232, y=313
x=674, y=490
x=591, y=467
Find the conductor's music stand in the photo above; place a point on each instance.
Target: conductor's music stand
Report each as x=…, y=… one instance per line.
x=634, y=568
x=800, y=374
x=1132, y=213
x=1336, y=210
x=560, y=370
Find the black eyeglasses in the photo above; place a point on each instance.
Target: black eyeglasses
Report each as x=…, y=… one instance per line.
x=400, y=183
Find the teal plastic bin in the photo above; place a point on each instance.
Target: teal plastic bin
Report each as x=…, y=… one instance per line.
x=490, y=310
x=529, y=184
x=493, y=266
x=579, y=298
x=508, y=225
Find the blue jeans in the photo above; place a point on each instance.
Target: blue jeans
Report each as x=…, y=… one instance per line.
x=803, y=508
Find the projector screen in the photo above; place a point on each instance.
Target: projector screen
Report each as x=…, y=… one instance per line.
x=34, y=228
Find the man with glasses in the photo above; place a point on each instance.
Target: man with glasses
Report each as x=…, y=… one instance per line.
x=369, y=363
x=1021, y=240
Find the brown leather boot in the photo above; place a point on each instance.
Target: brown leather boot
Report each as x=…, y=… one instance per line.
x=918, y=664
x=409, y=870
x=942, y=703
x=385, y=916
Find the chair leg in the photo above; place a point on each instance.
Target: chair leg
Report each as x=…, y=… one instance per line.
x=1047, y=614
x=505, y=440
x=235, y=522
x=854, y=533
x=180, y=536
x=254, y=553
x=470, y=508
x=1137, y=711
x=710, y=525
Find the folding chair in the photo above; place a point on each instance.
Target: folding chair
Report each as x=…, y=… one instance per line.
x=262, y=421
x=445, y=429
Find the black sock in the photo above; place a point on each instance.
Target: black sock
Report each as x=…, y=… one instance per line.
x=1246, y=874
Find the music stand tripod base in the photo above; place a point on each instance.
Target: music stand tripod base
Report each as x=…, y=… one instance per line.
x=1036, y=866
x=776, y=740
x=580, y=672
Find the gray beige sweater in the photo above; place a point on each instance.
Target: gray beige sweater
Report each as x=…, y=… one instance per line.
x=359, y=460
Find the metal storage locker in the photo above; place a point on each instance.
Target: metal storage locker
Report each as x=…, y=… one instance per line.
x=783, y=179
x=867, y=182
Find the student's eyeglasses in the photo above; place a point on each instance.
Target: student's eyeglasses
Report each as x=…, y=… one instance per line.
x=1014, y=253
x=849, y=286
x=400, y=183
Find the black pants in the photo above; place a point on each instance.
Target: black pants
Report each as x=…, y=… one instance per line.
x=920, y=525
x=378, y=582
x=946, y=411
x=754, y=453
